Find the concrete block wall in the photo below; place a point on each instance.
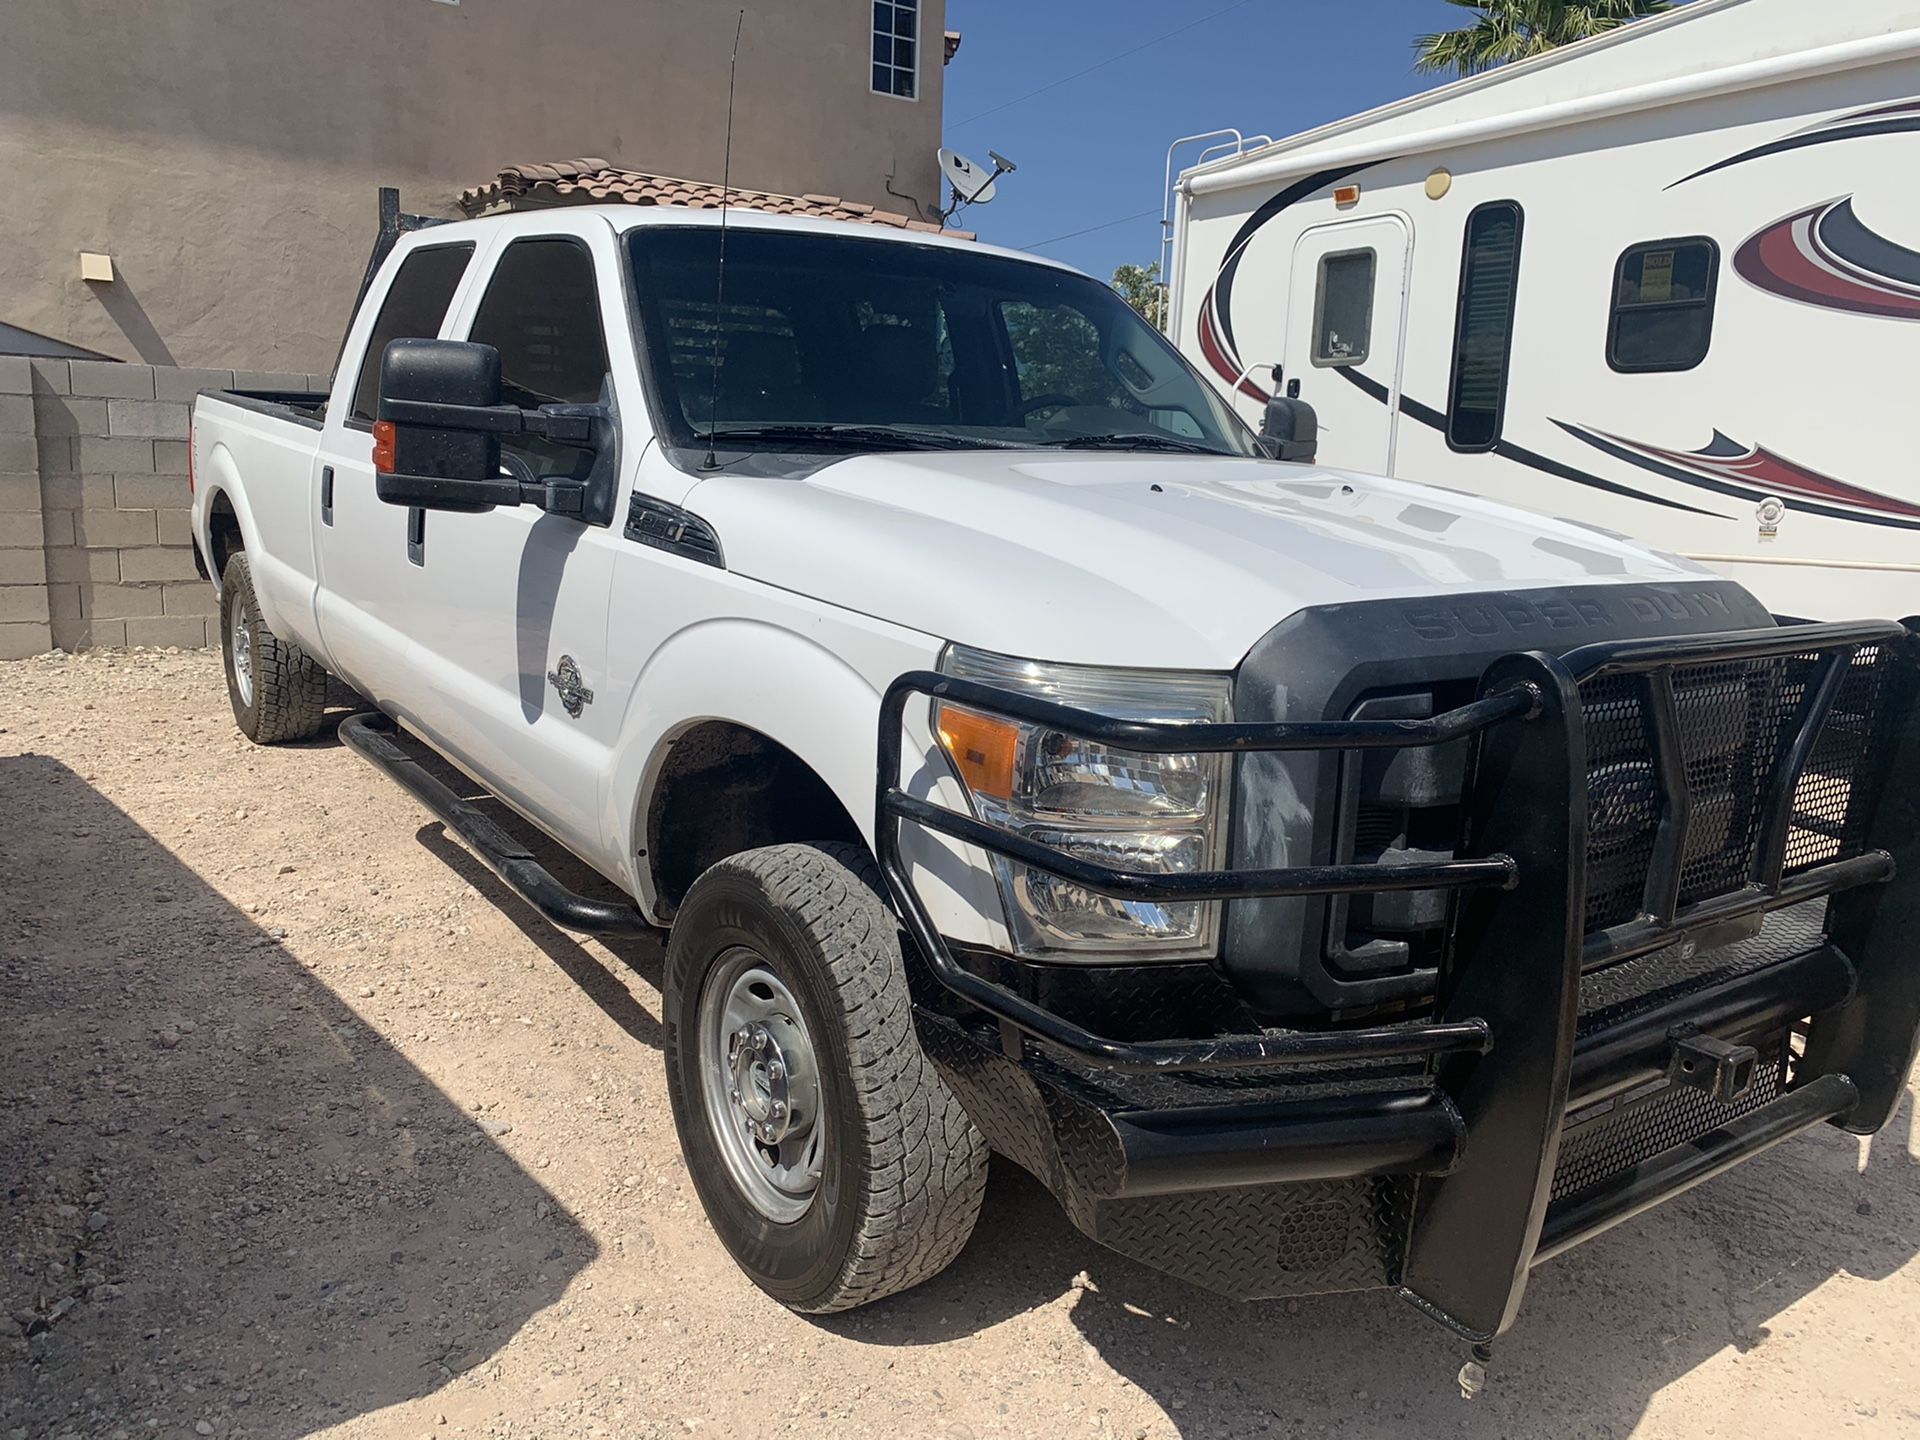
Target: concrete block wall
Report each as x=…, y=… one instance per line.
x=95, y=548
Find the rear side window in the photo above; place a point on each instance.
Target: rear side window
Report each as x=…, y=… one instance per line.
x=1343, y=308
x=416, y=303
x=1483, y=326
x=1662, y=313
x=542, y=313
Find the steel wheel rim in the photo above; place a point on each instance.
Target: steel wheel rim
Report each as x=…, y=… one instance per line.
x=760, y=1085
x=242, y=651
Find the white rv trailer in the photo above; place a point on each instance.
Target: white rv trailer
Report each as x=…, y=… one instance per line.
x=1666, y=281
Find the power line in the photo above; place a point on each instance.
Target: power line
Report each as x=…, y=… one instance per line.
x=1102, y=64
x=1076, y=234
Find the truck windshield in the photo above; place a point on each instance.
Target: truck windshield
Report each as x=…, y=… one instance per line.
x=841, y=343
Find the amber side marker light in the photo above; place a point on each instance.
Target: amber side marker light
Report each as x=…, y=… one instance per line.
x=982, y=750
x=1345, y=195
x=383, y=446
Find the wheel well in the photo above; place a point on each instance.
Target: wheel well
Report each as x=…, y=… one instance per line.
x=725, y=789
x=223, y=532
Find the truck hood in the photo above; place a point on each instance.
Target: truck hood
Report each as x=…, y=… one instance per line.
x=1139, y=560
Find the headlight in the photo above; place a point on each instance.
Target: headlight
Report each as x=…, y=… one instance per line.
x=1118, y=808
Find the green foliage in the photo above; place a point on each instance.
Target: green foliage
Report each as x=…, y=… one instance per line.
x=1142, y=288
x=1515, y=29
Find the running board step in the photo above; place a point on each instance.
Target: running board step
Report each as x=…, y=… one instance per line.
x=370, y=736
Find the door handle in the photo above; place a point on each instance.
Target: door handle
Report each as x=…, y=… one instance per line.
x=326, y=495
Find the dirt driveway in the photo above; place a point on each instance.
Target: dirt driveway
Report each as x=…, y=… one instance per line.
x=306, y=1128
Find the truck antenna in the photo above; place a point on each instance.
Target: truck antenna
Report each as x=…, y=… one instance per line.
x=712, y=462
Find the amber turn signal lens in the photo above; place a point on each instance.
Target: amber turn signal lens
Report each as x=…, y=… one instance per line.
x=383, y=446
x=982, y=748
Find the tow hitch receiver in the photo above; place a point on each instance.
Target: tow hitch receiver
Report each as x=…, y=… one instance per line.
x=1723, y=1070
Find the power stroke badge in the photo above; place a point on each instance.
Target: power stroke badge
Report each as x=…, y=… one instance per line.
x=565, y=678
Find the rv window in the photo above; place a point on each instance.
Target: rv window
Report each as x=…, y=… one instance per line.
x=1343, y=308
x=1483, y=326
x=1662, y=317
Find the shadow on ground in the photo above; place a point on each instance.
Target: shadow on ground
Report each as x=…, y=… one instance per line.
x=228, y=1199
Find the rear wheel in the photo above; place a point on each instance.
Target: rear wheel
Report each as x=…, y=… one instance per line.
x=830, y=1156
x=277, y=691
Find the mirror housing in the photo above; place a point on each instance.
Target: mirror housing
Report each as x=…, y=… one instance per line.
x=427, y=450
x=1290, y=429
x=436, y=443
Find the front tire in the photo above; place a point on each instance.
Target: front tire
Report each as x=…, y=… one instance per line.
x=830, y=1156
x=277, y=691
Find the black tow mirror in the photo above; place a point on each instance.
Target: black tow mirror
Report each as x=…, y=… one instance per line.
x=436, y=438
x=1290, y=430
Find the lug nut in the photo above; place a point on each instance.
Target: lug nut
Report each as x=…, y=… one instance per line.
x=775, y=1070
x=779, y=1110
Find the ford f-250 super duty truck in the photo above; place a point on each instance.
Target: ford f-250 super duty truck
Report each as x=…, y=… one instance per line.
x=1317, y=881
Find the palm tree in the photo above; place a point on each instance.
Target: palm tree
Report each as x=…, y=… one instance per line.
x=1514, y=29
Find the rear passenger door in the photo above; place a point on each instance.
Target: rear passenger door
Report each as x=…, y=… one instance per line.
x=361, y=542
x=509, y=608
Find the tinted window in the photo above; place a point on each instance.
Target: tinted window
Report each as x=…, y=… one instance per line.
x=1483, y=326
x=1343, y=308
x=542, y=313
x=1662, y=316
x=948, y=346
x=416, y=303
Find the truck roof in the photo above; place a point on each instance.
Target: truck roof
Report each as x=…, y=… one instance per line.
x=623, y=218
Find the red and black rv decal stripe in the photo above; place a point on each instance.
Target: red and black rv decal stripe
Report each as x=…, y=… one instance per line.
x=1751, y=472
x=1216, y=307
x=1825, y=256
x=1891, y=119
x=1436, y=420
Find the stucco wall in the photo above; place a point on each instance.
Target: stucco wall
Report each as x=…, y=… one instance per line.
x=227, y=153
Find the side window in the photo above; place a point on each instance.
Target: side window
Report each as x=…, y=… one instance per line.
x=1343, y=308
x=896, y=46
x=542, y=313
x=1662, y=313
x=1483, y=326
x=416, y=303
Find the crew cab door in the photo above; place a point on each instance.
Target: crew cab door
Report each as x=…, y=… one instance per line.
x=508, y=609
x=1345, y=318
x=361, y=543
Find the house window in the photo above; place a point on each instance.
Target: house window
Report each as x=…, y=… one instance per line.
x=1343, y=308
x=1483, y=326
x=1662, y=316
x=542, y=313
x=896, y=47
x=415, y=304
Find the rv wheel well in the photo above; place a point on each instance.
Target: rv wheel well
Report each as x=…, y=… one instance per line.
x=725, y=789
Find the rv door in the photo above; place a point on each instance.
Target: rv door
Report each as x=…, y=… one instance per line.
x=1345, y=319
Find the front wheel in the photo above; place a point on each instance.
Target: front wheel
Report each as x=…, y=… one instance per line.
x=829, y=1155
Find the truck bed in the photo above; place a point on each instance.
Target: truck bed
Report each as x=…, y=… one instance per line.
x=303, y=407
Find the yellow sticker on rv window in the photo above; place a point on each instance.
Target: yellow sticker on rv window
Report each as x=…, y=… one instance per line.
x=1656, y=277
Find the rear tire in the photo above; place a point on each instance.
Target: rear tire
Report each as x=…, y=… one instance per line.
x=278, y=692
x=878, y=1188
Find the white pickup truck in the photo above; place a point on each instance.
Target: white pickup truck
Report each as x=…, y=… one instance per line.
x=1317, y=881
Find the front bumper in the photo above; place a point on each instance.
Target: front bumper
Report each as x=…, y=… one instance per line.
x=1575, y=1067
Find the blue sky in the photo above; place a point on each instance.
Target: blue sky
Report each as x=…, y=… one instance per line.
x=1093, y=149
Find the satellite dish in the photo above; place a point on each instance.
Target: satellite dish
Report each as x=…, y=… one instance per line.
x=972, y=184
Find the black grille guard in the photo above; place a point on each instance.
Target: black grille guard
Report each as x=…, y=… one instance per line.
x=1503, y=1052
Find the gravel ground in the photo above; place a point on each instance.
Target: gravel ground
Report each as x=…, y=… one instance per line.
x=307, y=1128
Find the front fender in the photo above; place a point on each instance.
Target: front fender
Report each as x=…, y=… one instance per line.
x=819, y=704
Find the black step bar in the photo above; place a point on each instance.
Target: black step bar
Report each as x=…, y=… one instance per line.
x=370, y=736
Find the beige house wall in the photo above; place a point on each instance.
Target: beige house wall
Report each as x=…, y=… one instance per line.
x=227, y=153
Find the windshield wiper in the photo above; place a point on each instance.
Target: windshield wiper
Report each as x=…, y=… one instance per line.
x=853, y=436
x=1132, y=442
